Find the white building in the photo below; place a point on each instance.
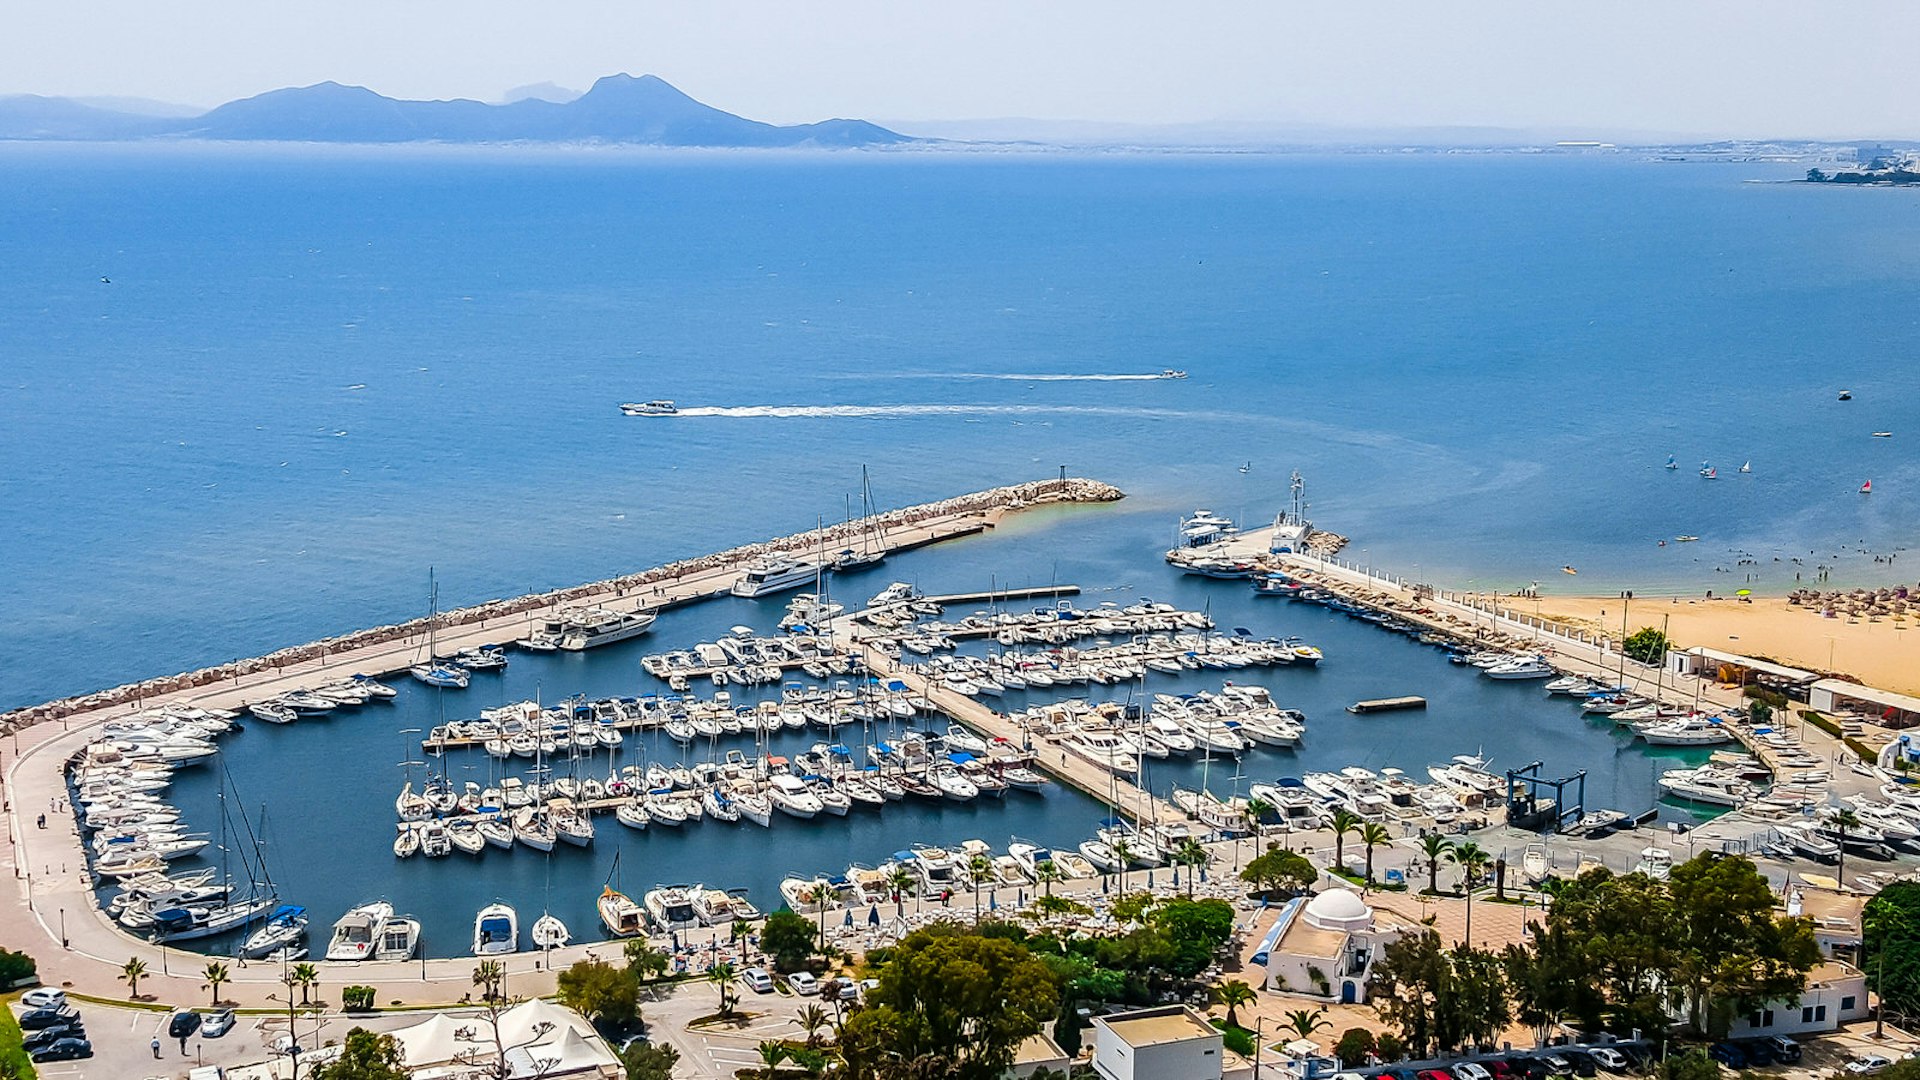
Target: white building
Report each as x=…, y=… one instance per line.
x=1835, y=994
x=1324, y=947
x=1171, y=1043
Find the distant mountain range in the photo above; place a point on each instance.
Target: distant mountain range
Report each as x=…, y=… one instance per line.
x=618, y=109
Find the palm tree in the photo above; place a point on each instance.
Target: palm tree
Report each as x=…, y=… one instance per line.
x=1047, y=873
x=1471, y=858
x=1344, y=822
x=1436, y=848
x=1233, y=994
x=133, y=971
x=740, y=931
x=1122, y=858
x=724, y=979
x=1373, y=834
x=772, y=1053
x=487, y=975
x=901, y=881
x=979, y=872
x=1255, y=812
x=1843, y=820
x=1304, y=1022
x=811, y=1019
x=216, y=973
x=1192, y=855
x=306, y=976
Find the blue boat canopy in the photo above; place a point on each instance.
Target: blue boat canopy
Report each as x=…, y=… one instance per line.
x=960, y=757
x=286, y=912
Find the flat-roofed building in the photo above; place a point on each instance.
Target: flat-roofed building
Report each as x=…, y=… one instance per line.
x=1171, y=1043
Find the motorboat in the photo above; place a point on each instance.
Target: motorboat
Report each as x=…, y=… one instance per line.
x=399, y=937
x=1103, y=750
x=713, y=906
x=1100, y=855
x=767, y=576
x=1685, y=731
x=1706, y=785
x=670, y=908
x=355, y=935
x=791, y=796
x=938, y=868
x=657, y=407
x=619, y=914
x=589, y=628
x=1655, y=862
x=548, y=932
x=1534, y=863
x=496, y=930
x=1531, y=667
x=285, y=925
x=434, y=841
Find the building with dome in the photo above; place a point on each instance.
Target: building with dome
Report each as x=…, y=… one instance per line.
x=1325, y=947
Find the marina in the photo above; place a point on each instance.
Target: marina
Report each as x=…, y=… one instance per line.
x=899, y=750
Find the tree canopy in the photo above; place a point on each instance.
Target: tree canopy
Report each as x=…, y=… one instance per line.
x=789, y=939
x=1647, y=645
x=1892, y=934
x=1276, y=870
x=365, y=1056
x=599, y=991
x=952, y=996
x=1439, y=998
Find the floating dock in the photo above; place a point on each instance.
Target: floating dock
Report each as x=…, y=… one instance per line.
x=1387, y=704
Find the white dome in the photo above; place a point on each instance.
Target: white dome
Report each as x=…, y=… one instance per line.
x=1339, y=909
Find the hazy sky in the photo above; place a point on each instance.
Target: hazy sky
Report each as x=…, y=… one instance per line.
x=1751, y=67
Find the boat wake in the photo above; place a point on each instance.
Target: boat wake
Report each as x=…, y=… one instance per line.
x=1001, y=376
x=808, y=411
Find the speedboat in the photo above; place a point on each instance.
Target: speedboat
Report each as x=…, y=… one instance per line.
x=285, y=926
x=1531, y=667
x=496, y=931
x=792, y=797
x=657, y=407
x=358, y=930
x=549, y=932
x=398, y=939
x=619, y=914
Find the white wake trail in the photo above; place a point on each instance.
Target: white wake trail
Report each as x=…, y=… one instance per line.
x=806, y=411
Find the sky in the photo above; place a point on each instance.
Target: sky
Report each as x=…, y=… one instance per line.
x=1753, y=68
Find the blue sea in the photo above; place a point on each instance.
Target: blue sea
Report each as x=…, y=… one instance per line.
x=249, y=396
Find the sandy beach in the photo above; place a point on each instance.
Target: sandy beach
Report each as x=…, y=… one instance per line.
x=1880, y=651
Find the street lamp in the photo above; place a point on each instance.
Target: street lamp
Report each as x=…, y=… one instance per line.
x=1258, y=1023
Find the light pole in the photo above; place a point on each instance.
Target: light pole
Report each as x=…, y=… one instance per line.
x=1258, y=1023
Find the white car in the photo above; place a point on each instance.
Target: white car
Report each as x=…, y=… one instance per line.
x=803, y=983
x=43, y=997
x=1468, y=1070
x=1869, y=1063
x=757, y=980
x=1608, y=1058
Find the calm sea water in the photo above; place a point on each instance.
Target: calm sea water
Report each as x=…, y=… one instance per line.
x=307, y=376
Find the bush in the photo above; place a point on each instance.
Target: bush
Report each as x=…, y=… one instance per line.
x=357, y=997
x=645, y=1061
x=1354, y=1046
x=16, y=968
x=1237, y=1039
x=1692, y=1065
x=1647, y=645
x=1389, y=1047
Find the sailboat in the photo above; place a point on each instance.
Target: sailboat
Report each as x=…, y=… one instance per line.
x=434, y=671
x=1746, y=466
x=1709, y=472
x=867, y=555
x=549, y=932
x=621, y=916
x=1671, y=463
x=1866, y=488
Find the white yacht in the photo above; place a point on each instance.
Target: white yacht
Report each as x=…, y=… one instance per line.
x=792, y=797
x=671, y=908
x=599, y=626
x=1103, y=750
x=398, y=939
x=358, y=931
x=1531, y=667
x=656, y=407
x=1706, y=785
x=496, y=931
x=1686, y=731
x=764, y=577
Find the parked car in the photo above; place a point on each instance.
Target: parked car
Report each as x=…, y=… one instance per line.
x=1499, y=1068
x=1758, y=1053
x=182, y=1024
x=1583, y=1062
x=64, y=1050
x=803, y=983
x=46, y=1037
x=46, y=1018
x=217, y=1024
x=757, y=980
x=1785, y=1050
x=1609, y=1059
x=1433, y=1074
x=1559, y=1063
x=43, y=997
x=1867, y=1063
x=1471, y=1070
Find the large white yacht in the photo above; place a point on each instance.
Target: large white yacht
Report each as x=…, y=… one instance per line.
x=671, y=908
x=357, y=933
x=765, y=577
x=600, y=626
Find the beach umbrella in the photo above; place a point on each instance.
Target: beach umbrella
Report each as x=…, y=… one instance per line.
x=1743, y=592
x=848, y=921
x=873, y=915
x=993, y=901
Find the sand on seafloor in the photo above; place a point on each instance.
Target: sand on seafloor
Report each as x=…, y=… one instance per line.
x=1882, y=652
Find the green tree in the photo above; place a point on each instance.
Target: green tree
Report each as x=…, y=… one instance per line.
x=962, y=999
x=306, y=977
x=901, y=881
x=1436, y=848
x=812, y=1019
x=488, y=975
x=1691, y=1065
x=1046, y=873
x=1815, y=176
x=979, y=872
x=1122, y=857
x=366, y=1055
x=726, y=981
x=1233, y=993
x=1193, y=930
x=15, y=967
x=216, y=974
x=789, y=939
x=1344, y=821
x=645, y=961
x=599, y=991
x=1354, y=1046
x=772, y=1053
x=1276, y=870
x=131, y=973
x=1303, y=1023
x=1471, y=858
x=1132, y=908
x=1734, y=954
x=645, y=1061
x=1647, y=645
x=1372, y=835
x=1891, y=929
x=1390, y=1047
x=1844, y=821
